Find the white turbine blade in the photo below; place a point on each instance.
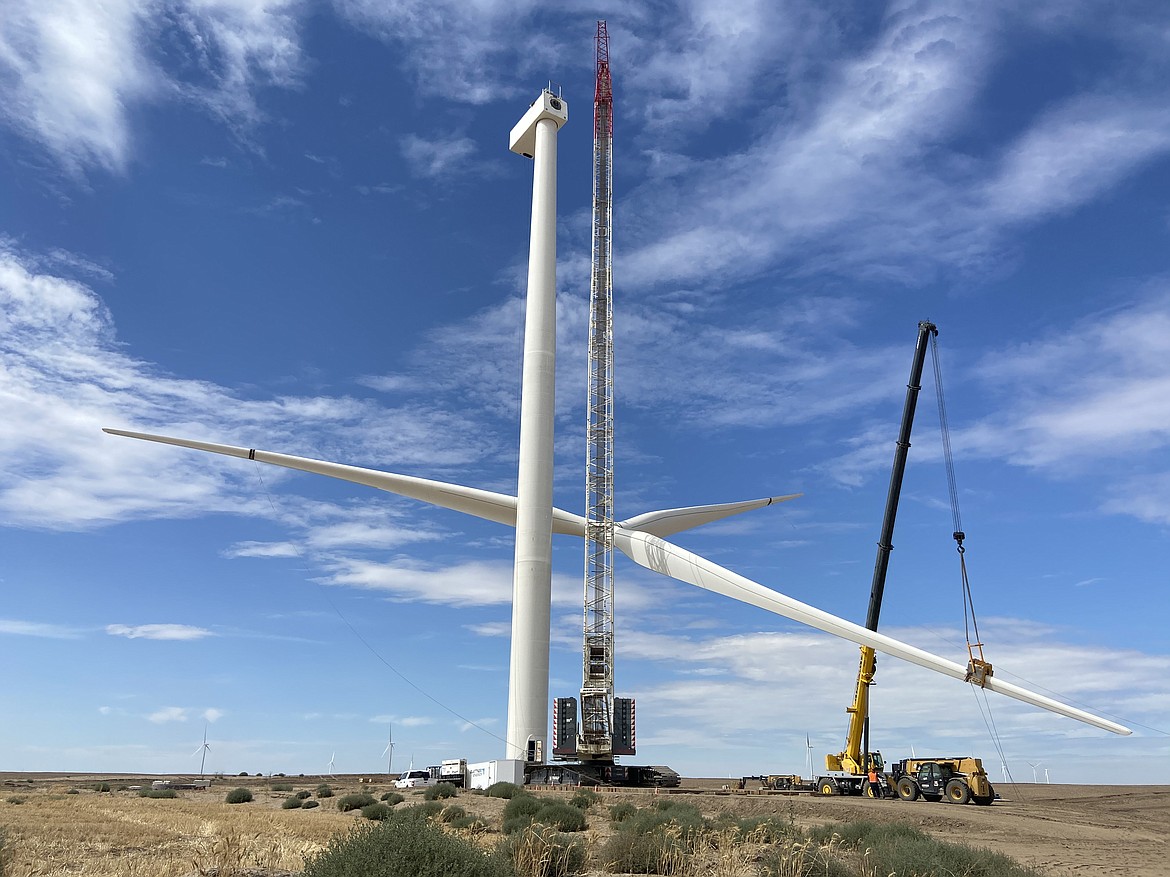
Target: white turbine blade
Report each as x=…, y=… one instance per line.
x=644, y=549
x=198, y=749
x=669, y=521
x=485, y=504
x=670, y=560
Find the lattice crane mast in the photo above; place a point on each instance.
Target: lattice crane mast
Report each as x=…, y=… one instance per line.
x=606, y=727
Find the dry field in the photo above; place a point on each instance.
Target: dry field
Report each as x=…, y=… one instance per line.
x=1063, y=830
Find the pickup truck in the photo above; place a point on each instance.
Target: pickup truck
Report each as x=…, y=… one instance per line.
x=414, y=779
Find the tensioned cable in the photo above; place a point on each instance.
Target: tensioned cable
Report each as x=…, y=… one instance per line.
x=1040, y=687
x=364, y=642
x=969, y=620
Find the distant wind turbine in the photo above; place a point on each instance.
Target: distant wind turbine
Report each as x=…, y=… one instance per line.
x=1046, y=776
x=389, y=749
x=1003, y=767
x=204, y=748
x=1035, y=780
x=808, y=754
x=331, y=757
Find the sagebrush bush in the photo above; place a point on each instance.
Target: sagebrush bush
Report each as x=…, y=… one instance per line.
x=653, y=852
x=765, y=829
x=355, y=802
x=904, y=849
x=470, y=824
x=239, y=796
x=404, y=845
x=324, y=791
x=523, y=805
x=73, y=792
x=282, y=787
x=519, y=812
x=309, y=805
x=452, y=812
x=102, y=787
x=686, y=818
x=157, y=793
x=504, y=790
x=542, y=852
x=302, y=794
x=427, y=809
x=811, y=857
x=393, y=798
x=14, y=799
x=376, y=811
x=291, y=804
x=562, y=816
x=622, y=811
x=584, y=799
x=439, y=790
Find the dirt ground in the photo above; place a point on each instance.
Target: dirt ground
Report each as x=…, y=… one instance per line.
x=1063, y=830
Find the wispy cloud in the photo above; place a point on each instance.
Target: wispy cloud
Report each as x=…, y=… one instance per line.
x=37, y=628
x=159, y=631
x=455, y=49
x=404, y=721
x=726, y=684
x=168, y=714
x=491, y=628
x=441, y=157
x=75, y=72
x=470, y=583
x=66, y=377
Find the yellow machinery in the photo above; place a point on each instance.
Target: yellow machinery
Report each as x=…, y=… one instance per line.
x=856, y=770
x=958, y=780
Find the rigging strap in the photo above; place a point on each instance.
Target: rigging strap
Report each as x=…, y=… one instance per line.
x=978, y=669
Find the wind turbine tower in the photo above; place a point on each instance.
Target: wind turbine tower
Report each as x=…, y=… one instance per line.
x=204, y=748
x=535, y=137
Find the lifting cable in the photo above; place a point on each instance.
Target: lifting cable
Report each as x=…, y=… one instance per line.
x=978, y=669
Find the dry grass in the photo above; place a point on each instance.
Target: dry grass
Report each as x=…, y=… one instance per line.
x=122, y=835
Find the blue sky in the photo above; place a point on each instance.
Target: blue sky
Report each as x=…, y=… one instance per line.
x=297, y=226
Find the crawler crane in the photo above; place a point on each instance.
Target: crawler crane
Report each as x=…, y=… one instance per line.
x=606, y=728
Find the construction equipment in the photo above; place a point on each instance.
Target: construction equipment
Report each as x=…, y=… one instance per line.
x=777, y=782
x=856, y=770
x=957, y=780
x=606, y=728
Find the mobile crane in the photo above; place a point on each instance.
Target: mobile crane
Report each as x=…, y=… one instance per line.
x=856, y=770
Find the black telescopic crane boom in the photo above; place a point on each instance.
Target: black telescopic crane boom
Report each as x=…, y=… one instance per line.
x=926, y=330
x=885, y=543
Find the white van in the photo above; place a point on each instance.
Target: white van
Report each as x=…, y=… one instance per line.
x=414, y=779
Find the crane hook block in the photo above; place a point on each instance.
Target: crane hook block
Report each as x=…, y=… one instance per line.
x=979, y=672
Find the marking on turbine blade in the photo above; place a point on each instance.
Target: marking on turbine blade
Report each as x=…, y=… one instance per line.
x=251, y=453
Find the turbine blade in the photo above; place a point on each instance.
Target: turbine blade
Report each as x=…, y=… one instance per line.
x=670, y=560
x=198, y=749
x=635, y=538
x=669, y=521
x=484, y=504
